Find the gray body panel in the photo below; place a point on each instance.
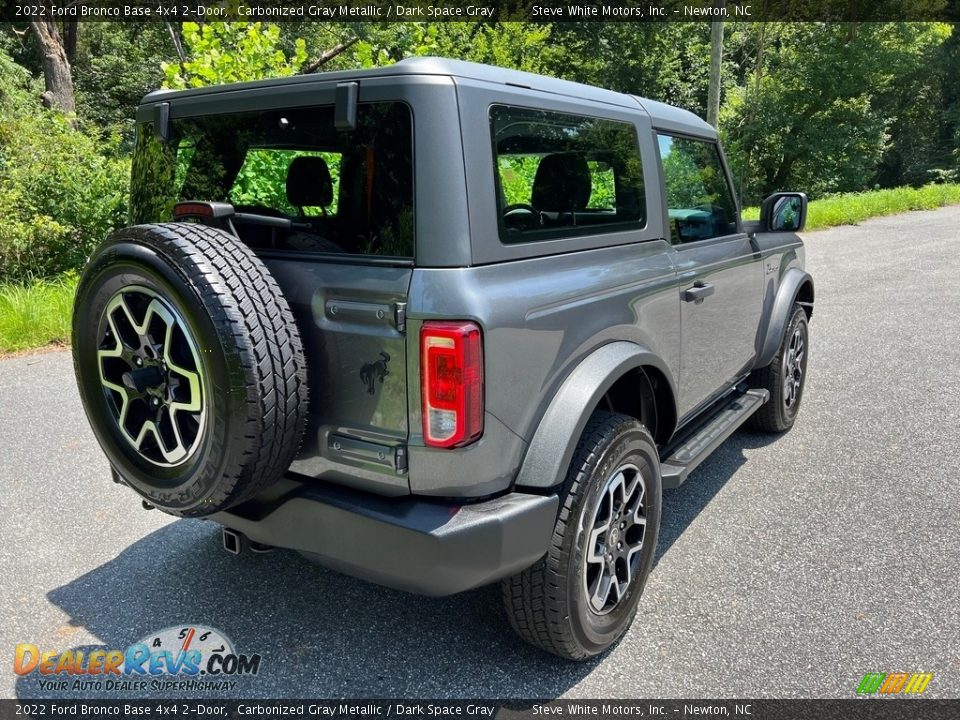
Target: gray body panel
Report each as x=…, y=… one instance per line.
x=346, y=315
x=710, y=366
x=541, y=319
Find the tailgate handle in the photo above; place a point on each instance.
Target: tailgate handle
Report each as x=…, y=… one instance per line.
x=362, y=312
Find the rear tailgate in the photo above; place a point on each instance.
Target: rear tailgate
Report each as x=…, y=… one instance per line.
x=351, y=319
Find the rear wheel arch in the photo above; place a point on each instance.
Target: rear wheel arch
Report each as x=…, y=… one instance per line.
x=644, y=393
x=805, y=295
x=633, y=376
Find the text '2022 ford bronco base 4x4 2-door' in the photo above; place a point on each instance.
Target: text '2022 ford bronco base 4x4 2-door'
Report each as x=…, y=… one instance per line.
x=438, y=325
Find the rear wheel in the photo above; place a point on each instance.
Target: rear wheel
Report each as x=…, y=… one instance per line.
x=582, y=596
x=189, y=365
x=784, y=377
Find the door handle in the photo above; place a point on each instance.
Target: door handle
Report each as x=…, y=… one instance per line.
x=698, y=292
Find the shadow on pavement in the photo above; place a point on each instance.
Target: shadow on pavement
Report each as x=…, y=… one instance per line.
x=322, y=634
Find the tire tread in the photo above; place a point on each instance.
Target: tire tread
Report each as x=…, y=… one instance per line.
x=535, y=608
x=768, y=418
x=258, y=331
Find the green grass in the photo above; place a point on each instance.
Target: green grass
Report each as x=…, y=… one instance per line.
x=36, y=313
x=851, y=208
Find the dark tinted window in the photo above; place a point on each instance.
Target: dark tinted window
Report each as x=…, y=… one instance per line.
x=348, y=192
x=563, y=175
x=699, y=200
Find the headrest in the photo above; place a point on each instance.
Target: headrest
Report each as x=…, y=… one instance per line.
x=309, y=183
x=562, y=183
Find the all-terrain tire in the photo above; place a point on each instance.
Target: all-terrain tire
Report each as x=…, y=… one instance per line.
x=182, y=338
x=548, y=604
x=778, y=414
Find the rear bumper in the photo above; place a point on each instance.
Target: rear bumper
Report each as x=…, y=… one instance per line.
x=424, y=547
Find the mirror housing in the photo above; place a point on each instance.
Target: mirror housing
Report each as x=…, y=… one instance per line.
x=783, y=212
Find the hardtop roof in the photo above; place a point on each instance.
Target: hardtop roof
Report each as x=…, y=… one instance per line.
x=661, y=114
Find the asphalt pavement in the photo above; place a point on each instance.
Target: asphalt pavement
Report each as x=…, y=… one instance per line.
x=787, y=567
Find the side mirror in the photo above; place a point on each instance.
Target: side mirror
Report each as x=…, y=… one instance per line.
x=783, y=212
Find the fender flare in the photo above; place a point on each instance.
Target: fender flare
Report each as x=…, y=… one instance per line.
x=551, y=449
x=787, y=293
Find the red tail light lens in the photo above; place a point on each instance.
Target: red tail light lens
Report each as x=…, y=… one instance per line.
x=451, y=383
x=192, y=209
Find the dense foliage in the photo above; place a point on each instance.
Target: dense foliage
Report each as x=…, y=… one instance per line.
x=822, y=107
x=61, y=188
x=231, y=52
x=829, y=108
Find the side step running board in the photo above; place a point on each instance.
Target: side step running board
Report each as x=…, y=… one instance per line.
x=695, y=449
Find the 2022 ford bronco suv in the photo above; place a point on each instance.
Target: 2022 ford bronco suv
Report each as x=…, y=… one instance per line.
x=439, y=325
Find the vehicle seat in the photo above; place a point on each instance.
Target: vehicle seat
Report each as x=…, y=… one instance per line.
x=561, y=187
x=309, y=185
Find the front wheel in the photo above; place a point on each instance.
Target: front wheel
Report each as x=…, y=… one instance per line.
x=784, y=377
x=582, y=596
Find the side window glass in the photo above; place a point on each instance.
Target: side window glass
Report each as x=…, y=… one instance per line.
x=562, y=175
x=603, y=189
x=699, y=198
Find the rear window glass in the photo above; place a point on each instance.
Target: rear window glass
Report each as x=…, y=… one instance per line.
x=564, y=175
x=262, y=179
x=343, y=191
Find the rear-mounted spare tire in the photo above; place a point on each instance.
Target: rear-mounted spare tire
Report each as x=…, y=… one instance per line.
x=190, y=366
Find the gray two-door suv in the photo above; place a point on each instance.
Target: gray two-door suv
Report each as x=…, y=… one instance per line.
x=437, y=325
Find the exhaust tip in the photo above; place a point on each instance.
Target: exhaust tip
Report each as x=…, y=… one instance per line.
x=233, y=542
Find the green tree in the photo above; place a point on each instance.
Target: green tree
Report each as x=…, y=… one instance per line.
x=115, y=65
x=815, y=114
x=220, y=52
x=661, y=61
x=924, y=106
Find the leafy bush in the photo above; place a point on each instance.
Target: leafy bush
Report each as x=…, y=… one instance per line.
x=60, y=193
x=263, y=178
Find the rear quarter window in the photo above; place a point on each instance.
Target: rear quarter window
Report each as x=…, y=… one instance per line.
x=561, y=175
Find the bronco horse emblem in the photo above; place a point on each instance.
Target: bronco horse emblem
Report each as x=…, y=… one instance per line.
x=372, y=372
